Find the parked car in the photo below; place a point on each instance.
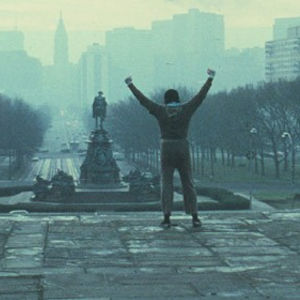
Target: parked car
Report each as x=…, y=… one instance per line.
x=271, y=154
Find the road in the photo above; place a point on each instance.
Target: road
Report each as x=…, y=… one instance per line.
x=59, y=137
x=48, y=165
x=50, y=158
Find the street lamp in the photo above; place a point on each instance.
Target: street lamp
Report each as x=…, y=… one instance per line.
x=253, y=132
x=286, y=135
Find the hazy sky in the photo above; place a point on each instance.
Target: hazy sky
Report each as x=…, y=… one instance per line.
x=241, y=16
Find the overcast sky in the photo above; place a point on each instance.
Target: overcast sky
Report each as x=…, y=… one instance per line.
x=101, y=15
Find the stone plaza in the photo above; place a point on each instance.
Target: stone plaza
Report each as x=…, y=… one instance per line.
x=235, y=255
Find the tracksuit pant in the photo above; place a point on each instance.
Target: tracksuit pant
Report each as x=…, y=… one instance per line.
x=175, y=154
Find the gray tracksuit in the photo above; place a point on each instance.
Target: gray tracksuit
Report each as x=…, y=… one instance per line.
x=174, y=120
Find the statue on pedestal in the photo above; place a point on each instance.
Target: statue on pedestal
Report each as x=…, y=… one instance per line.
x=41, y=188
x=99, y=166
x=99, y=110
x=62, y=184
x=142, y=183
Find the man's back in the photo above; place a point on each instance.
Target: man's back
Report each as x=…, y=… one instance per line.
x=173, y=120
x=174, y=117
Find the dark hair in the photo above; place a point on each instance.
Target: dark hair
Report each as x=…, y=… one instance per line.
x=171, y=96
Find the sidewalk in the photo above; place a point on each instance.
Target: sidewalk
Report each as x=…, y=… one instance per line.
x=236, y=255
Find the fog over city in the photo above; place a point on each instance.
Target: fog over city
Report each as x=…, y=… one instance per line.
x=62, y=52
x=247, y=23
x=149, y=149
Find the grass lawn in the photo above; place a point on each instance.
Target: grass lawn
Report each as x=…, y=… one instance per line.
x=273, y=195
x=284, y=203
x=278, y=193
x=244, y=172
x=278, y=199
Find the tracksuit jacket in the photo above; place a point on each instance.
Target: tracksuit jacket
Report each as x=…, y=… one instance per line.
x=174, y=119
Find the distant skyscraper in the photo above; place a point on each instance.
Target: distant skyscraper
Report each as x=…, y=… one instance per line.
x=283, y=56
x=281, y=25
x=91, y=74
x=240, y=67
x=20, y=74
x=130, y=52
x=60, y=82
x=185, y=46
x=61, y=50
x=174, y=52
x=11, y=40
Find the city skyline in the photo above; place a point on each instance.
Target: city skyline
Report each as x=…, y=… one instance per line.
x=247, y=25
x=173, y=52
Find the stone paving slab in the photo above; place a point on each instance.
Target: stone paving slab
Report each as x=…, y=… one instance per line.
x=106, y=256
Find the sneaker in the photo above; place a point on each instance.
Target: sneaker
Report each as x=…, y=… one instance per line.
x=196, y=222
x=165, y=223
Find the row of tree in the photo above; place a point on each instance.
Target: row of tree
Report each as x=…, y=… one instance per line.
x=253, y=121
x=21, y=128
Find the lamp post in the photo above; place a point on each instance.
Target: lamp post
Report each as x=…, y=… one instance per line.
x=287, y=136
x=253, y=132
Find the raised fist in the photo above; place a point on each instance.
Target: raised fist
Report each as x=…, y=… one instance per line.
x=128, y=80
x=211, y=73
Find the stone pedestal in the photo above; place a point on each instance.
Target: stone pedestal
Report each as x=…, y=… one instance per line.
x=99, y=167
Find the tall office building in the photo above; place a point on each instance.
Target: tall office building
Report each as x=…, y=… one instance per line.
x=283, y=56
x=60, y=79
x=185, y=46
x=130, y=52
x=173, y=52
x=61, y=48
x=282, y=53
x=240, y=67
x=91, y=74
x=20, y=74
